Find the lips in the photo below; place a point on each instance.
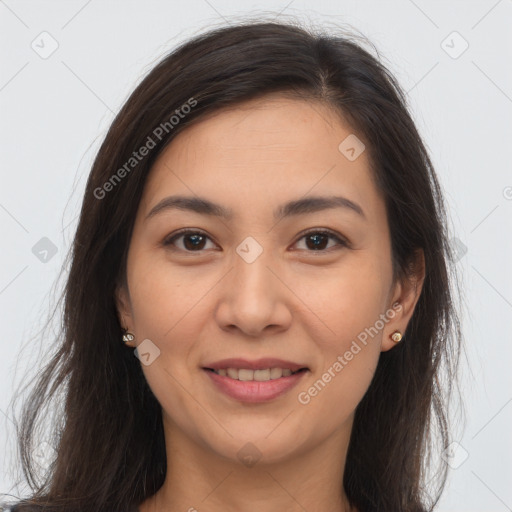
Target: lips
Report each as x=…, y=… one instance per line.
x=254, y=381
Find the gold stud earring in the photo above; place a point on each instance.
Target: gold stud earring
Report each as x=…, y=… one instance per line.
x=396, y=336
x=127, y=336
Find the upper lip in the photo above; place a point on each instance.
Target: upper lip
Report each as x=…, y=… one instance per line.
x=258, y=364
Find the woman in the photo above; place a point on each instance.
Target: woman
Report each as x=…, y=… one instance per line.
x=263, y=230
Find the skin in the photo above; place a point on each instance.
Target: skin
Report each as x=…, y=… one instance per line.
x=292, y=302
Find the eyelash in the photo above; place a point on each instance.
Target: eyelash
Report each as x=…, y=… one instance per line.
x=168, y=242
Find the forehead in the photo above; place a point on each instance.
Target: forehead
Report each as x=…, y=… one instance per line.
x=260, y=151
x=262, y=128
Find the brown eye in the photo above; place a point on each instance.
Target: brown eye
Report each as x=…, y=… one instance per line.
x=196, y=241
x=318, y=240
x=192, y=241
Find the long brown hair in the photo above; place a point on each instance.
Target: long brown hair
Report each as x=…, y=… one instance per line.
x=109, y=439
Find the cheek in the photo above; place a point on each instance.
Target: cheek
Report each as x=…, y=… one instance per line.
x=335, y=394
x=349, y=348
x=349, y=306
x=160, y=315
x=166, y=312
x=346, y=300
x=163, y=296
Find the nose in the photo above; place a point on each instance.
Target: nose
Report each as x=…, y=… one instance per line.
x=253, y=298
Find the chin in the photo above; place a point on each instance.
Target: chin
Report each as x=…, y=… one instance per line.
x=253, y=447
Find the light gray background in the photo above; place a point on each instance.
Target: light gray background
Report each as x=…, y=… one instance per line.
x=55, y=111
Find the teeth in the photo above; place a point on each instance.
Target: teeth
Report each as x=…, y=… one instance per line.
x=245, y=374
x=276, y=373
x=262, y=375
x=233, y=373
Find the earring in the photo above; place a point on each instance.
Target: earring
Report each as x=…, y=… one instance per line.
x=127, y=336
x=396, y=336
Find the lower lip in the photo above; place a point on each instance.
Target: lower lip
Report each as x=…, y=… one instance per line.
x=255, y=391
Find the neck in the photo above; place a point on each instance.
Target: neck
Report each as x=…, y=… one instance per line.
x=199, y=479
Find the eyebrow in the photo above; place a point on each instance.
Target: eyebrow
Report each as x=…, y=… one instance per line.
x=306, y=205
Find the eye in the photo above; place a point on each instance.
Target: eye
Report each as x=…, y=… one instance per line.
x=316, y=240
x=193, y=240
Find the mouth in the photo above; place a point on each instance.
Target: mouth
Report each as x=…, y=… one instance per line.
x=247, y=374
x=257, y=381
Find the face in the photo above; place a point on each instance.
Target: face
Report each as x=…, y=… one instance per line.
x=306, y=287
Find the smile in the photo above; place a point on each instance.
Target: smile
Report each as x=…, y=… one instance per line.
x=254, y=386
x=246, y=374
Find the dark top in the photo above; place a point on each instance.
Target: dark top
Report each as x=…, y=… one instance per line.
x=15, y=508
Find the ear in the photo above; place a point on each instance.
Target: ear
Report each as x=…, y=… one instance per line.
x=123, y=306
x=406, y=292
